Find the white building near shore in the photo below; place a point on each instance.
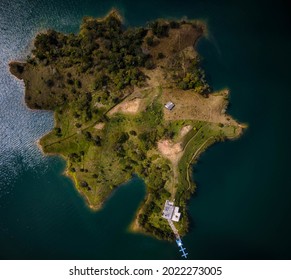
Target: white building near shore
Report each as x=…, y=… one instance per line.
x=171, y=212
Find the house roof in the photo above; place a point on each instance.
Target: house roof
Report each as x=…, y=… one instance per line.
x=169, y=105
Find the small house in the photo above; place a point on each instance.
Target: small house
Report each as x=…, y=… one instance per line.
x=169, y=105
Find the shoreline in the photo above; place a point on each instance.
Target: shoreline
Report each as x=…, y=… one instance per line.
x=134, y=226
x=97, y=178
x=67, y=174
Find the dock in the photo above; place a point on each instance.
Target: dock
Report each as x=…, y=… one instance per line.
x=171, y=213
x=182, y=249
x=178, y=240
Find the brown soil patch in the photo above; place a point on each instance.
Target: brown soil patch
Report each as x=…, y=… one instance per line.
x=129, y=107
x=99, y=105
x=185, y=130
x=170, y=150
x=99, y=126
x=192, y=106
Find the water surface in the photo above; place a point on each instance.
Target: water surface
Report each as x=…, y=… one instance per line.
x=242, y=206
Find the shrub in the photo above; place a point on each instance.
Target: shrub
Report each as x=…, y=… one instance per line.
x=160, y=55
x=150, y=41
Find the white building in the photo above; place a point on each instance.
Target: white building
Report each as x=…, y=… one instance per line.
x=176, y=215
x=169, y=105
x=171, y=212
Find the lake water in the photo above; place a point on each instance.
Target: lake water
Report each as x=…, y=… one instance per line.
x=242, y=208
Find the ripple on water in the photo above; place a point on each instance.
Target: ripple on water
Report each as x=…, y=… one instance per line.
x=19, y=126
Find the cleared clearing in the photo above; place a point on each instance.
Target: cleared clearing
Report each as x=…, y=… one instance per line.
x=190, y=105
x=99, y=126
x=170, y=150
x=127, y=107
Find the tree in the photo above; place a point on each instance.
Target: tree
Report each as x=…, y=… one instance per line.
x=19, y=68
x=97, y=140
x=50, y=83
x=160, y=28
x=174, y=24
x=160, y=55
x=100, y=81
x=88, y=136
x=78, y=84
x=84, y=184
x=150, y=41
x=58, y=131
x=149, y=64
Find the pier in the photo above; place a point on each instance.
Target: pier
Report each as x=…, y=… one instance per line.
x=171, y=213
x=178, y=240
x=182, y=249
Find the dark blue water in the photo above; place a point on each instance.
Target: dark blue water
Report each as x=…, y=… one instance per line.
x=242, y=207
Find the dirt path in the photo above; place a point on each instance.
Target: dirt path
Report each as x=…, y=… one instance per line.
x=70, y=136
x=174, y=152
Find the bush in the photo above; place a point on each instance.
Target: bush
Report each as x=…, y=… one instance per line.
x=97, y=141
x=70, y=81
x=50, y=83
x=58, y=131
x=150, y=41
x=149, y=64
x=88, y=136
x=160, y=55
x=160, y=29
x=19, y=68
x=78, y=84
x=174, y=24
x=84, y=184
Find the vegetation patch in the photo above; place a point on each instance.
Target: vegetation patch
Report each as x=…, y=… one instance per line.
x=107, y=86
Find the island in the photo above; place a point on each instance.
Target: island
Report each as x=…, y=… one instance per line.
x=128, y=101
